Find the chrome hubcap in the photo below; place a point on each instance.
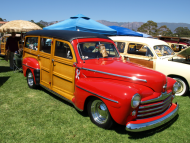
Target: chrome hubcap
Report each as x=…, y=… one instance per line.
x=30, y=79
x=99, y=111
x=181, y=87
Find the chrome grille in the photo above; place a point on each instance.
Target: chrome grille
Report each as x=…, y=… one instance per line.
x=152, y=109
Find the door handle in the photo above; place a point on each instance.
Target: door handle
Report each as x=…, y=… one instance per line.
x=53, y=62
x=38, y=57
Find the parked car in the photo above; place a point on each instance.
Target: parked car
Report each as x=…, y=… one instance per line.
x=86, y=70
x=157, y=55
x=176, y=43
x=3, y=43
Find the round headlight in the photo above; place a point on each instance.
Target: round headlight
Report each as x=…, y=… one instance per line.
x=135, y=100
x=175, y=87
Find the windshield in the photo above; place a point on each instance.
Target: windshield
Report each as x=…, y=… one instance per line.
x=91, y=50
x=163, y=50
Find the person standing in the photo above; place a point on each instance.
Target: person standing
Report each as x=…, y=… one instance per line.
x=12, y=46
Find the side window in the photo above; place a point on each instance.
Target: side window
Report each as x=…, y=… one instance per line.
x=139, y=49
x=45, y=45
x=63, y=50
x=32, y=43
x=121, y=46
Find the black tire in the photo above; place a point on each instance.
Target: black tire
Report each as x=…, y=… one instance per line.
x=30, y=80
x=99, y=113
x=184, y=86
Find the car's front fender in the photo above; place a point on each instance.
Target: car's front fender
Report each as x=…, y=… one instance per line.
x=115, y=95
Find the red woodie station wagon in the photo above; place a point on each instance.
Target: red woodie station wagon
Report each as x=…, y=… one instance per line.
x=87, y=70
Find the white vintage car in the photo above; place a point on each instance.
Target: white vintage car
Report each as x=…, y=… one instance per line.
x=156, y=54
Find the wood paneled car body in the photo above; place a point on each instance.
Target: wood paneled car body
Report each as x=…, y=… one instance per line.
x=87, y=70
x=156, y=54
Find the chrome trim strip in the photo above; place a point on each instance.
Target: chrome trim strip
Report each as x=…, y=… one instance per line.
x=30, y=67
x=149, y=110
x=60, y=96
x=97, y=94
x=161, y=97
x=114, y=74
x=152, y=124
x=149, y=106
x=148, y=114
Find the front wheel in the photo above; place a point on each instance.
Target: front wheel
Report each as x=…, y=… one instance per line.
x=30, y=80
x=99, y=113
x=183, y=89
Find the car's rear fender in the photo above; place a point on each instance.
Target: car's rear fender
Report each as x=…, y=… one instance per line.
x=33, y=65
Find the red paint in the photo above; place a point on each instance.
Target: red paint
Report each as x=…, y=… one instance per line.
x=30, y=63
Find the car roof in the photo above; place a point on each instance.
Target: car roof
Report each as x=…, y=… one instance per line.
x=65, y=34
x=150, y=41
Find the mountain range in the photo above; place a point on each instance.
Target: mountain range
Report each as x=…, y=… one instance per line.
x=136, y=25
x=130, y=25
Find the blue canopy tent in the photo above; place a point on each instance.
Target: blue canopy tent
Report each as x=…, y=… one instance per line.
x=82, y=23
x=125, y=31
x=145, y=35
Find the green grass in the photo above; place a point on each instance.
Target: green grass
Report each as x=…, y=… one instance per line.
x=28, y=115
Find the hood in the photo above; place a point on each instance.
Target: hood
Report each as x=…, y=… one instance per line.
x=117, y=69
x=183, y=54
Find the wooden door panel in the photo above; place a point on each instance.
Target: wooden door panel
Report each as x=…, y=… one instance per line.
x=143, y=62
x=45, y=65
x=63, y=84
x=66, y=69
x=63, y=74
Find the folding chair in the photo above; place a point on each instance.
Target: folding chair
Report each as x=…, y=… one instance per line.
x=17, y=62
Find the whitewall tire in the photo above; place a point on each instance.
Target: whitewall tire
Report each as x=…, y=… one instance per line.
x=183, y=89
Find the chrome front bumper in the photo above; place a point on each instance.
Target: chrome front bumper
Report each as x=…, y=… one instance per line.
x=152, y=124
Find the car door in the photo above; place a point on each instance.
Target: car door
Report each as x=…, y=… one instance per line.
x=45, y=61
x=63, y=72
x=139, y=54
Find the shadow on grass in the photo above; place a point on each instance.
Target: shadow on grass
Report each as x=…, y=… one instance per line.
x=83, y=113
x=120, y=129
x=3, y=80
x=5, y=69
x=54, y=96
x=139, y=135
x=187, y=94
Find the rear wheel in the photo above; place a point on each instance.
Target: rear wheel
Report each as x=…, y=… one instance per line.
x=183, y=89
x=99, y=113
x=30, y=80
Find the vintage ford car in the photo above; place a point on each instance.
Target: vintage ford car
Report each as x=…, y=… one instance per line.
x=86, y=70
x=157, y=55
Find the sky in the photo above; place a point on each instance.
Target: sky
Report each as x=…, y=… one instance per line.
x=171, y=11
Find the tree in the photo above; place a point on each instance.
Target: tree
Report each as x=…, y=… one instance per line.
x=32, y=21
x=150, y=28
x=165, y=31
x=38, y=23
x=182, y=31
x=2, y=19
